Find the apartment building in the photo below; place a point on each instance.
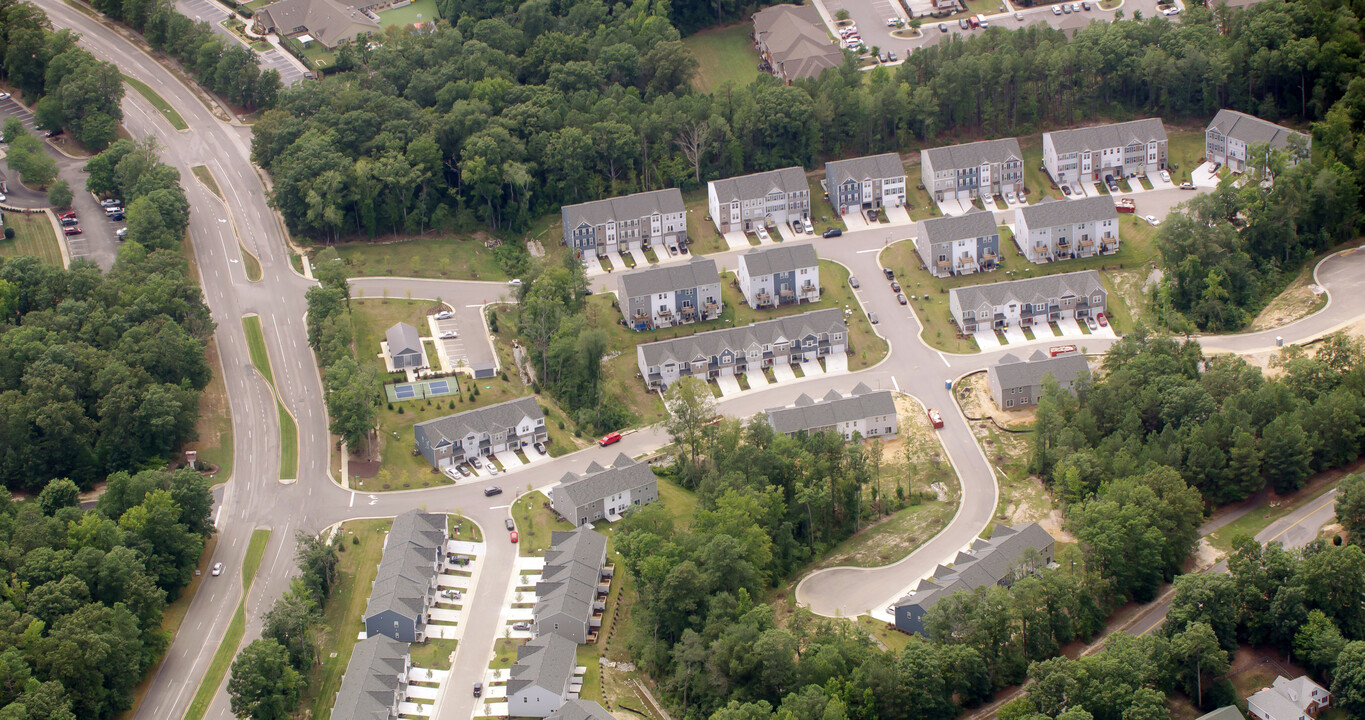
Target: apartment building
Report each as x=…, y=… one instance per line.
x=1028, y=302
x=765, y=199
x=376, y=680
x=604, y=492
x=543, y=678
x=1231, y=134
x=1015, y=383
x=622, y=224
x=864, y=412
x=506, y=426
x=782, y=275
x=793, y=339
x=964, y=172
x=405, y=586
x=959, y=245
x=865, y=183
x=1091, y=154
x=1056, y=230
x=572, y=587
x=668, y=295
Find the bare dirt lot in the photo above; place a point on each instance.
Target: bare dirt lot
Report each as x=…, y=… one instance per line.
x=1297, y=300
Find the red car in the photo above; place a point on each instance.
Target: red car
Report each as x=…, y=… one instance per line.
x=514, y=536
x=1104, y=321
x=66, y=215
x=72, y=229
x=610, y=438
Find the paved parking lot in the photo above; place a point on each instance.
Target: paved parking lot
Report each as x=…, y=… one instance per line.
x=213, y=13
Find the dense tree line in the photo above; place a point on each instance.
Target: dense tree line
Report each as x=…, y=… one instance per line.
x=71, y=89
x=1219, y=422
x=226, y=67
x=1233, y=249
x=269, y=673
x=83, y=592
x=26, y=154
x=352, y=388
x=155, y=205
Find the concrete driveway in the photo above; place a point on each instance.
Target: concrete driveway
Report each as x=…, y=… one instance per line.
x=1070, y=329
x=728, y=384
x=812, y=368
x=757, y=380
x=987, y=340
x=737, y=240
x=856, y=221
x=952, y=206
x=1015, y=335
x=836, y=364
x=782, y=372
x=898, y=216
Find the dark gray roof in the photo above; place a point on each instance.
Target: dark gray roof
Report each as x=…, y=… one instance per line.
x=581, y=545
x=494, y=417
x=625, y=207
x=870, y=167
x=579, y=490
x=1251, y=129
x=1224, y=713
x=807, y=416
x=686, y=349
x=329, y=21
x=403, y=338
x=1047, y=287
x=668, y=278
x=758, y=185
x=796, y=37
x=371, y=680
x=1108, y=136
x=547, y=661
x=415, y=542
x=576, y=709
x=987, y=563
x=1064, y=368
x=1051, y=213
x=976, y=223
x=573, y=567
x=970, y=155
x=779, y=259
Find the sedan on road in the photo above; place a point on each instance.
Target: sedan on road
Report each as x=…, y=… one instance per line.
x=900, y=297
x=1019, y=16
x=511, y=524
x=943, y=27
x=833, y=232
x=217, y=569
x=1171, y=11
x=895, y=286
x=853, y=282
x=478, y=689
x=492, y=490
x=513, y=536
x=609, y=438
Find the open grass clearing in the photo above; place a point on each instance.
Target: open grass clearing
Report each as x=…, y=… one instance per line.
x=361, y=545
x=158, y=102
x=448, y=257
x=1184, y=148
x=227, y=649
x=724, y=55
x=33, y=235
x=535, y=521
x=415, y=12
x=371, y=318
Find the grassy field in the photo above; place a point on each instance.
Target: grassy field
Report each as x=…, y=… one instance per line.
x=33, y=235
x=1184, y=147
x=206, y=176
x=418, y=11
x=432, y=257
x=1037, y=185
x=372, y=318
x=1260, y=518
x=213, y=429
x=535, y=521
x=159, y=103
x=1137, y=250
x=681, y=502
x=723, y=55
x=227, y=649
x=361, y=545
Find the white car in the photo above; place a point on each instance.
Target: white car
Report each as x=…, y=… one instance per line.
x=1151, y=220
x=217, y=569
x=762, y=233
x=1056, y=9
x=810, y=229
x=1019, y=16
x=1009, y=197
x=121, y=233
x=4, y=96
x=445, y=315
x=2, y=197
x=1165, y=176
x=449, y=335
x=892, y=22
x=515, y=282
x=1171, y=11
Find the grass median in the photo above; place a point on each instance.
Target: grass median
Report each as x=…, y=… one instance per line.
x=159, y=103
x=227, y=649
x=289, y=430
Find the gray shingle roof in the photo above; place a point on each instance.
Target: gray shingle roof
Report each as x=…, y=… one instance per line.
x=668, y=278
x=976, y=223
x=1224, y=713
x=1077, y=284
x=968, y=155
x=1064, y=368
x=797, y=40
x=581, y=545
x=758, y=185
x=494, y=417
x=685, y=349
x=546, y=661
x=779, y=259
x=371, y=680
x=1108, y=136
x=329, y=21
x=857, y=406
x=579, y=490
x=416, y=541
x=987, y=564
x=1051, y=213
x=577, y=709
x=870, y=167
x=625, y=207
x=1251, y=129
x=403, y=338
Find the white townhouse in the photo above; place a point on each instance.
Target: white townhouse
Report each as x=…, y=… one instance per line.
x=629, y=222
x=763, y=199
x=792, y=339
x=1028, y=302
x=454, y=439
x=1232, y=133
x=544, y=676
x=781, y=275
x=864, y=412
x=865, y=183
x=959, y=245
x=1091, y=154
x=1056, y=230
x=668, y=295
x=964, y=172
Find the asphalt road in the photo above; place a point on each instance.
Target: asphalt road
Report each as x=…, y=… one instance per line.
x=255, y=498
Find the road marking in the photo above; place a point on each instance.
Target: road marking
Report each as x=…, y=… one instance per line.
x=1300, y=521
x=498, y=507
x=864, y=252
x=352, y=500
x=944, y=359
x=896, y=384
x=473, y=306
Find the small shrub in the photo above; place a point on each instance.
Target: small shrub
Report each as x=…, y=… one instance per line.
x=400, y=409
x=504, y=376
x=9, y=233
x=355, y=539
x=390, y=407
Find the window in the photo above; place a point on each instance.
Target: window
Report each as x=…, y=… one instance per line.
x=1009, y=403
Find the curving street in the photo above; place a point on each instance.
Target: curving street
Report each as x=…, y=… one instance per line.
x=256, y=498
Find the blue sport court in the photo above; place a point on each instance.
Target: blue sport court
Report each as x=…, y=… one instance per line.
x=421, y=390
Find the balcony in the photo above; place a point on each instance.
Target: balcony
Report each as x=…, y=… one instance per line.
x=809, y=290
x=664, y=313
x=763, y=299
x=688, y=311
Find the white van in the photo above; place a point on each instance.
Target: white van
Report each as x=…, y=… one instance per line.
x=982, y=19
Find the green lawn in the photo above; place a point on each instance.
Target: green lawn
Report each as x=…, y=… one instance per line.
x=289, y=444
x=1184, y=148
x=504, y=653
x=206, y=176
x=535, y=521
x=681, y=502
x=1137, y=250
x=887, y=634
x=371, y=318
x=723, y=55
x=418, y=11
x=213, y=430
x=33, y=235
x=227, y=649
x=1037, y=185
x=361, y=545
x=253, y=266
x=822, y=211
x=159, y=103
x=1260, y=518
x=255, y=343
x=427, y=257
x=701, y=232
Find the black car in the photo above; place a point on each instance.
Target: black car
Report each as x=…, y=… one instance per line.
x=895, y=286
x=491, y=491
x=872, y=318
x=117, y=217
x=901, y=298
x=510, y=524
x=833, y=232
x=890, y=274
x=53, y=133
x=70, y=221
x=478, y=689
